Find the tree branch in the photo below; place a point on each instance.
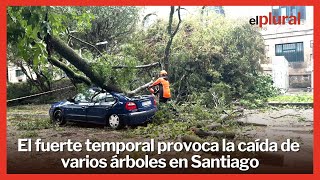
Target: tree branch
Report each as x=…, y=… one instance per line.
x=146, y=17
x=30, y=78
x=20, y=64
x=89, y=44
x=179, y=22
x=131, y=93
x=138, y=67
x=69, y=72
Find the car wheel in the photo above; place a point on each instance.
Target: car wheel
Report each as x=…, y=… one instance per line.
x=58, y=117
x=115, y=122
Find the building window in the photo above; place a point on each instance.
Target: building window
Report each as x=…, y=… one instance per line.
x=19, y=73
x=293, y=52
x=289, y=11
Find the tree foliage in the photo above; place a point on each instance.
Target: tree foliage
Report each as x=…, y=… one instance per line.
x=112, y=25
x=27, y=28
x=209, y=54
x=40, y=35
x=212, y=59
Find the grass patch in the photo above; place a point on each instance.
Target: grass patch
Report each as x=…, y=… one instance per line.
x=25, y=117
x=297, y=98
x=29, y=134
x=35, y=124
x=35, y=109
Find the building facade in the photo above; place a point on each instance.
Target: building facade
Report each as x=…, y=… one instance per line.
x=15, y=74
x=293, y=42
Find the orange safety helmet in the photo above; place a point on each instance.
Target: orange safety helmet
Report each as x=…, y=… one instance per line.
x=163, y=72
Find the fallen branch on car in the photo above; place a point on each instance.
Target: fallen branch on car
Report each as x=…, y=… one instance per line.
x=138, y=67
x=131, y=93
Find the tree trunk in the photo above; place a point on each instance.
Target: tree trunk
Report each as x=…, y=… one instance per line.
x=69, y=72
x=91, y=76
x=81, y=64
x=171, y=36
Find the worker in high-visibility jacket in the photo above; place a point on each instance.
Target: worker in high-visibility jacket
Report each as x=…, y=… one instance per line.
x=164, y=86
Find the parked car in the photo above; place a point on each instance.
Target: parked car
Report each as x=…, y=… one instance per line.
x=99, y=107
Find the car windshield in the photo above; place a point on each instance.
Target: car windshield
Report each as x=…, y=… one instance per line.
x=85, y=96
x=99, y=97
x=93, y=96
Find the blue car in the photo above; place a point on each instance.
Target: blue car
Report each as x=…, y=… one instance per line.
x=100, y=107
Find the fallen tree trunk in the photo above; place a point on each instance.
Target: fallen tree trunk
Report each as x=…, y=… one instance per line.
x=71, y=56
x=91, y=75
x=69, y=72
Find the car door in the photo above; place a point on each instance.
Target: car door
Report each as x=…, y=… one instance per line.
x=96, y=110
x=77, y=111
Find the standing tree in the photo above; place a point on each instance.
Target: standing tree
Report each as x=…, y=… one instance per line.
x=171, y=34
